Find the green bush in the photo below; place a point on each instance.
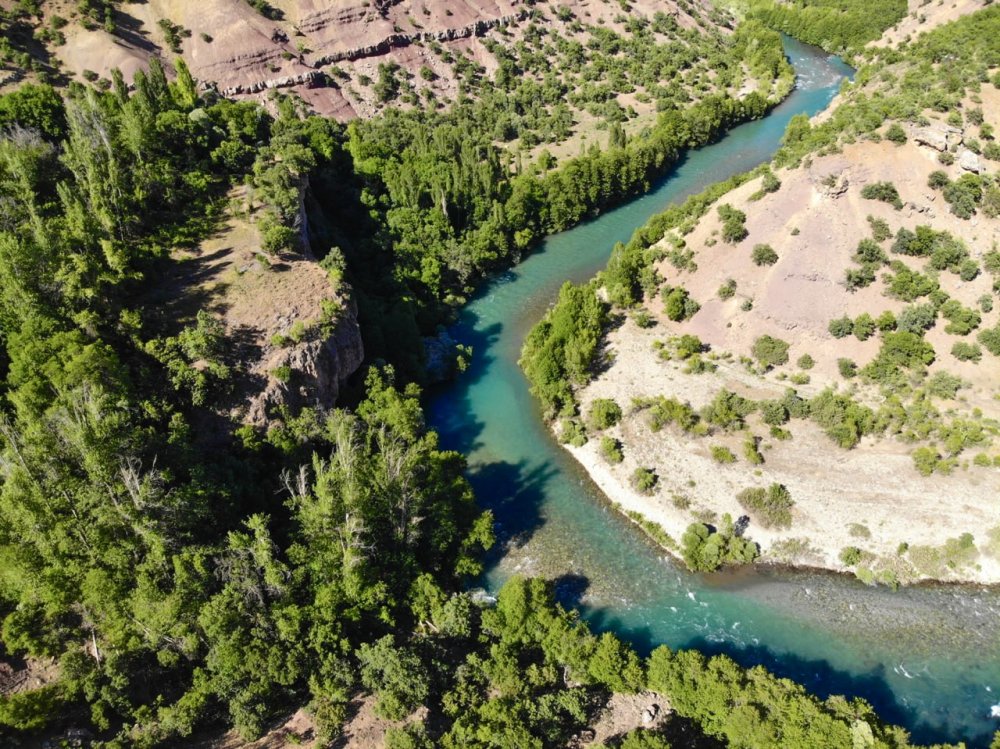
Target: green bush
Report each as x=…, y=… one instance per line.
x=603, y=413
x=916, y=318
x=880, y=229
x=763, y=254
x=611, y=450
x=678, y=304
x=722, y=455
x=896, y=134
x=704, y=550
x=850, y=555
x=728, y=410
x=926, y=460
x=900, y=350
x=990, y=339
x=771, y=507
x=734, y=228
x=841, y=327
x=847, y=368
x=573, y=433
x=751, y=450
x=805, y=362
x=644, y=480
x=964, y=351
x=883, y=191
x=727, y=290
x=770, y=352
x=961, y=320
x=864, y=326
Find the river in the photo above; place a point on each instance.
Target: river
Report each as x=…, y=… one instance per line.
x=927, y=657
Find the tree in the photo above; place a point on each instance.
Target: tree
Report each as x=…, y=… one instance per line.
x=770, y=352
x=396, y=675
x=764, y=254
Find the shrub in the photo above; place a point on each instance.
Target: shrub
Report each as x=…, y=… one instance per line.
x=900, y=350
x=937, y=180
x=864, y=326
x=858, y=530
x=644, y=480
x=964, y=195
x=611, y=450
x=643, y=319
x=704, y=550
x=925, y=460
x=282, y=373
x=883, y=191
x=806, y=362
x=869, y=252
x=722, y=454
x=770, y=183
x=961, y=320
x=850, y=555
x=964, y=351
x=770, y=352
x=916, y=318
x=727, y=290
x=573, y=433
x=968, y=270
x=886, y=321
x=764, y=254
x=944, y=385
x=734, y=228
x=990, y=339
x=841, y=327
x=728, y=410
x=678, y=304
x=773, y=413
x=896, y=134
x=751, y=450
x=603, y=413
x=772, y=507
x=847, y=368
x=906, y=284
x=880, y=229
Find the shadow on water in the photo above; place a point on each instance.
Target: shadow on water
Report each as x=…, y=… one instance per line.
x=515, y=493
x=818, y=676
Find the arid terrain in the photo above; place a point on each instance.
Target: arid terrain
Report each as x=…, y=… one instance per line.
x=874, y=496
x=328, y=52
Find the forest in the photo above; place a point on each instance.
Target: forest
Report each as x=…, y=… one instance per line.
x=185, y=576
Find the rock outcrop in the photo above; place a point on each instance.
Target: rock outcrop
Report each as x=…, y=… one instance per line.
x=395, y=41
x=939, y=137
x=317, y=369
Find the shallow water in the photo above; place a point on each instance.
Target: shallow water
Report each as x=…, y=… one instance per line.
x=926, y=657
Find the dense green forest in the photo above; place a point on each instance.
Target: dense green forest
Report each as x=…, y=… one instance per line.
x=139, y=549
x=182, y=578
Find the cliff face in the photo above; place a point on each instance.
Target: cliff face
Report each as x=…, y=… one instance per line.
x=293, y=333
x=317, y=369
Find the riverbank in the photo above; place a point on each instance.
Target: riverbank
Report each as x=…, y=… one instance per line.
x=890, y=460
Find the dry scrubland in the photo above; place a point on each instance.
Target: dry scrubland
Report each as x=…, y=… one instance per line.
x=871, y=496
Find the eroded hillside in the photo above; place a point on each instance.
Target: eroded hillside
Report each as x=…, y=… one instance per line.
x=348, y=58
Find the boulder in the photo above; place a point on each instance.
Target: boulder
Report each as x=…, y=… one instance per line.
x=970, y=162
x=939, y=137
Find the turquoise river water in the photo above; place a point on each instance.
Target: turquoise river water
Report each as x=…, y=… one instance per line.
x=927, y=657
